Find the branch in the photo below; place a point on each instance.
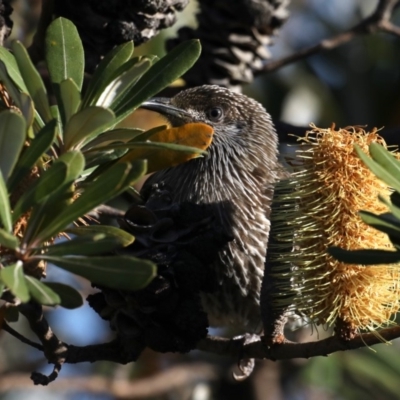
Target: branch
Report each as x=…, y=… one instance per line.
x=54, y=349
x=106, y=211
x=122, y=352
x=289, y=350
x=119, y=352
x=115, y=351
x=58, y=353
x=378, y=21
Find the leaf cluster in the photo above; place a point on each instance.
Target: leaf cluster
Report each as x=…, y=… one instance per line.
x=62, y=154
x=387, y=168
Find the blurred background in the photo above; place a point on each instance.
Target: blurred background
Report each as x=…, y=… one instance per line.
x=355, y=84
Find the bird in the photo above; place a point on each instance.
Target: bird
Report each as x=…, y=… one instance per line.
x=236, y=177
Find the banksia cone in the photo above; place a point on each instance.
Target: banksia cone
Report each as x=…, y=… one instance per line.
x=6, y=23
x=317, y=208
x=234, y=37
x=105, y=24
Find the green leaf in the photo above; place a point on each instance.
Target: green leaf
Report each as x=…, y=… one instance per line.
x=31, y=154
x=110, y=184
x=395, y=199
x=377, y=169
x=55, y=180
x=124, y=237
x=38, y=123
x=41, y=292
x=384, y=158
x=101, y=158
x=13, y=277
x=46, y=185
x=118, y=272
x=8, y=240
x=391, y=205
x=145, y=136
x=134, y=195
x=55, y=112
x=12, y=88
x=11, y=67
x=160, y=75
x=85, y=245
x=33, y=81
x=86, y=124
x=105, y=71
x=385, y=222
x=12, y=138
x=118, y=91
x=27, y=109
x=70, y=298
x=70, y=98
x=95, y=172
x=52, y=206
x=5, y=210
x=150, y=146
x=365, y=257
x=64, y=52
x=116, y=135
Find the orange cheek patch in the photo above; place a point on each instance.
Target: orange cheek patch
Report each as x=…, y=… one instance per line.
x=196, y=137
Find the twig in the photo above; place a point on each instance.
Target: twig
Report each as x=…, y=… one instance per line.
x=122, y=352
x=53, y=348
x=115, y=351
x=378, y=21
x=289, y=350
x=20, y=337
x=106, y=211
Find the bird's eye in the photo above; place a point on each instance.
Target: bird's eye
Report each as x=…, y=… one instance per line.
x=215, y=114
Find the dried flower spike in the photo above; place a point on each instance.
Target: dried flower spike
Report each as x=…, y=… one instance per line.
x=318, y=208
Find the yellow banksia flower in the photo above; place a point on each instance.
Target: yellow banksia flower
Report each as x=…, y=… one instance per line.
x=319, y=209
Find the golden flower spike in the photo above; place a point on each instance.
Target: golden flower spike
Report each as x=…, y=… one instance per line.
x=317, y=207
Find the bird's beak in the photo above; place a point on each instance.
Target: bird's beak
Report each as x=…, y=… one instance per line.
x=163, y=106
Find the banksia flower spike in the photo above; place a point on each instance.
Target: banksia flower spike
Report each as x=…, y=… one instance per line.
x=318, y=207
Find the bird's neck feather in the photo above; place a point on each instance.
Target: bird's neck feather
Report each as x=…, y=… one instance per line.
x=233, y=169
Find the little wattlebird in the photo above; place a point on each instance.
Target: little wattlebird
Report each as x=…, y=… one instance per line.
x=236, y=177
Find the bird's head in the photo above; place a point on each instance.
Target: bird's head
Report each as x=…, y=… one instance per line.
x=243, y=154
x=235, y=118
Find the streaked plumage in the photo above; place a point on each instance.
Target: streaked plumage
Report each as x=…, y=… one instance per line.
x=237, y=177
